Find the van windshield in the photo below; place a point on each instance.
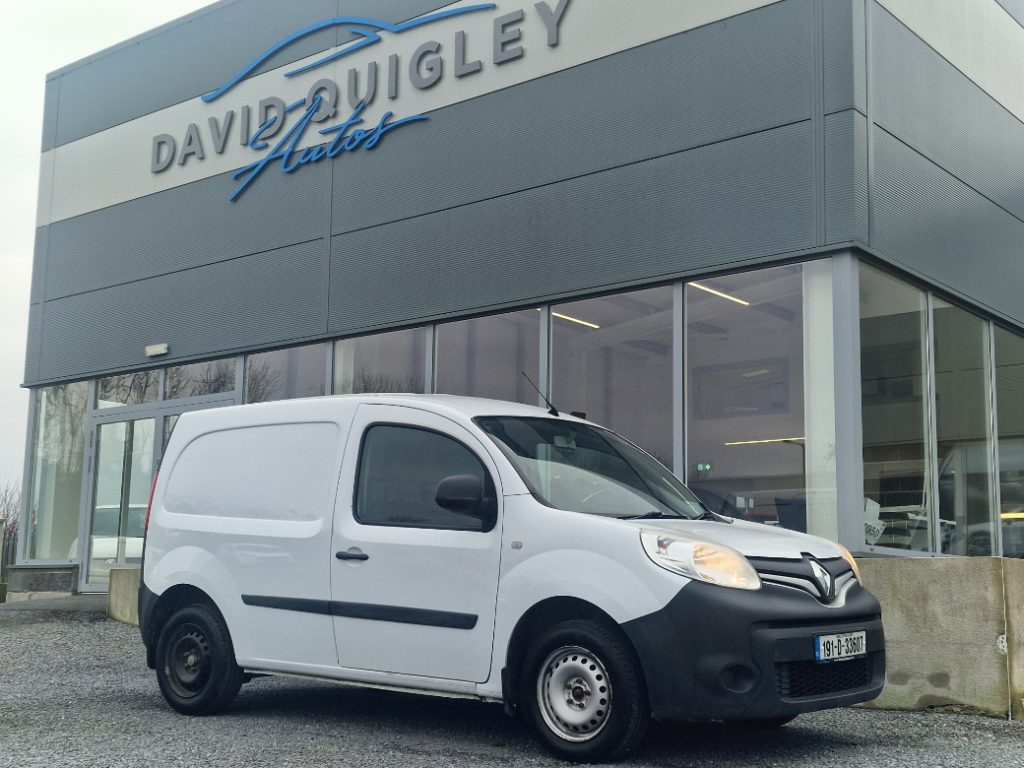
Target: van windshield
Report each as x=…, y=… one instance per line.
x=581, y=468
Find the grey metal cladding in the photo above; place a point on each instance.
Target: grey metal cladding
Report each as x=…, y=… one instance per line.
x=271, y=297
x=710, y=84
x=844, y=55
x=931, y=106
x=32, y=345
x=744, y=200
x=197, y=55
x=39, y=264
x=1015, y=8
x=924, y=218
x=51, y=104
x=846, y=177
x=185, y=227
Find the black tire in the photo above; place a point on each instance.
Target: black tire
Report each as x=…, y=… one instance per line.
x=195, y=662
x=583, y=693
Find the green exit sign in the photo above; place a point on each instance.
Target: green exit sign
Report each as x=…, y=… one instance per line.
x=704, y=467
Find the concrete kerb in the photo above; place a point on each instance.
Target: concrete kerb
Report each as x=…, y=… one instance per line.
x=61, y=604
x=123, y=595
x=954, y=632
x=1013, y=587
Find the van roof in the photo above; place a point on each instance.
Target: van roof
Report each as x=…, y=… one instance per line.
x=452, y=405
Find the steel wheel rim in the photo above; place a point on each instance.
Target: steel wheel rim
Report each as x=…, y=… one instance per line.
x=574, y=694
x=188, y=661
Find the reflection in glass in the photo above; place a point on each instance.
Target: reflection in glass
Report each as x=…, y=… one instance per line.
x=286, y=374
x=387, y=362
x=893, y=323
x=1010, y=402
x=579, y=468
x=124, y=476
x=962, y=418
x=130, y=389
x=486, y=357
x=57, y=465
x=198, y=379
x=745, y=400
x=611, y=358
x=170, y=422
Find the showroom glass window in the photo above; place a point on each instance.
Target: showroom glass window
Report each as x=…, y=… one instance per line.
x=745, y=431
x=130, y=389
x=286, y=374
x=611, y=358
x=487, y=357
x=1010, y=401
x=963, y=422
x=386, y=362
x=198, y=379
x=58, y=461
x=894, y=412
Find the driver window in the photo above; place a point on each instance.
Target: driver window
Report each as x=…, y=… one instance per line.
x=399, y=471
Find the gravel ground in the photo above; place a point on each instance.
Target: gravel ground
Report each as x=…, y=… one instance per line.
x=75, y=691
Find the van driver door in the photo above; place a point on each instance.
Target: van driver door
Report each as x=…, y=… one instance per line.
x=414, y=584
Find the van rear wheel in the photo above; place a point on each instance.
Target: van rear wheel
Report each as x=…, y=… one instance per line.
x=582, y=692
x=195, y=662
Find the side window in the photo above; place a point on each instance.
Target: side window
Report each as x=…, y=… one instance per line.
x=399, y=471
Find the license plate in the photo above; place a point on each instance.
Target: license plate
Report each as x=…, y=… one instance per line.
x=848, y=645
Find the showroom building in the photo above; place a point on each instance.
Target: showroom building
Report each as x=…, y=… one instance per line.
x=780, y=245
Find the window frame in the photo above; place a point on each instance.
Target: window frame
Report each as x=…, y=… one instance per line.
x=485, y=524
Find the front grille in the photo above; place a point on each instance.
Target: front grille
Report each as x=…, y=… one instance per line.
x=799, y=679
x=798, y=574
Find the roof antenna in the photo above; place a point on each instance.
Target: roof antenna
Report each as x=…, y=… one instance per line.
x=551, y=409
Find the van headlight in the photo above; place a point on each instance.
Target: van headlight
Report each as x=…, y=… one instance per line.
x=851, y=562
x=700, y=560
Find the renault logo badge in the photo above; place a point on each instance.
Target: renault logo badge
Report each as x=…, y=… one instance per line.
x=823, y=578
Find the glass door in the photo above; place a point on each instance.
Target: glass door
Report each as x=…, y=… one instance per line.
x=124, y=463
x=125, y=447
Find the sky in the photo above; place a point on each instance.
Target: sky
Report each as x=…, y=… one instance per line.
x=42, y=36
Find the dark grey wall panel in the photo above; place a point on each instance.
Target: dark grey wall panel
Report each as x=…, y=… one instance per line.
x=185, y=227
x=273, y=297
x=1015, y=8
x=931, y=106
x=844, y=55
x=51, y=104
x=846, y=177
x=928, y=220
x=186, y=59
x=35, y=335
x=39, y=264
x=724, y=80
x=741, y=200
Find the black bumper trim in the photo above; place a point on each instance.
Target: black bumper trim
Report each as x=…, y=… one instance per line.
x=715, y=653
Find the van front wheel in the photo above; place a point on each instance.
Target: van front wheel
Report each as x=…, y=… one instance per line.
x=583, y=693
x=195, y=662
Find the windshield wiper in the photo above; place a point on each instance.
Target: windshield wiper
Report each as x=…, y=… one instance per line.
x=652, y=515
x=709, y=515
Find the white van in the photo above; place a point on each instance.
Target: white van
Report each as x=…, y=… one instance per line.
x=489, y=550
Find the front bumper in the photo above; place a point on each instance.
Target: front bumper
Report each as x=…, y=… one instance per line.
x=715, y=653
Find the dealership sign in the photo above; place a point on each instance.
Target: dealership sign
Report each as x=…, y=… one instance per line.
x=286, y=133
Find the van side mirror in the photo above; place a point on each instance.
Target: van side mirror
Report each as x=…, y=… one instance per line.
x=461, y=494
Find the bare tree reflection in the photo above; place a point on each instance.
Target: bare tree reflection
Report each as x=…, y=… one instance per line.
x=262, y=382
x=200, y=379
x=367, y=382
x=129, y=389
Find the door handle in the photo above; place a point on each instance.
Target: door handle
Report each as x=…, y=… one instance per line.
x=352, y=555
